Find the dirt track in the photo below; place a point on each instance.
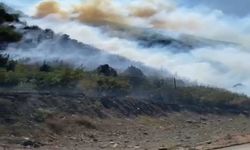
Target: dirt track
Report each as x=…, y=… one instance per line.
x=241, y=147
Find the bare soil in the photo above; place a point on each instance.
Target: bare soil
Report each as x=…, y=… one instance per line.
x=184, y=130
x=46, y=121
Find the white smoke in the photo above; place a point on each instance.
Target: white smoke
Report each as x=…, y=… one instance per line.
x=163, y=14
x=222, y=65
x=39, y=45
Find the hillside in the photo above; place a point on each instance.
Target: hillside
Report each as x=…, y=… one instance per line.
x=103, y=101
x=39, y=45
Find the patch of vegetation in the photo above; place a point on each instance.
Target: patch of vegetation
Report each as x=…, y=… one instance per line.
x=57, y=78
x=113, y=86
x=106, y=70
x=8, y=34
x=135, y=76
x=6, y=17
x=215, y=96
x=4, y=59
x=131, y=82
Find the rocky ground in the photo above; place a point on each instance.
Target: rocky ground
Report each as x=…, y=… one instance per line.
x=75, y=121
x=174, y=131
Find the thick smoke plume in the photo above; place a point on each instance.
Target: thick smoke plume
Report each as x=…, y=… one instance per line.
x=163, y=14
x=49, y=7
x=223, y=65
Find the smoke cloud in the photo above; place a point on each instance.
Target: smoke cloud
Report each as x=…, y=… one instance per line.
x=49, y=7
x=223, y=65
x=163, y=14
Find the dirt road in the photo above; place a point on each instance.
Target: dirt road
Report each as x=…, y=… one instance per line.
x=241, y=147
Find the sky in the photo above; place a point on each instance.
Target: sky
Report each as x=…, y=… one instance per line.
x=232, y=7
x=27, y=6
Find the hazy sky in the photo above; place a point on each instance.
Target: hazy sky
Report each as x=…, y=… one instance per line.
x=26, y=5
x=233, y=7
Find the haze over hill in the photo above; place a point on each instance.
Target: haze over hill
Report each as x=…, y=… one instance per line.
x=223, y=65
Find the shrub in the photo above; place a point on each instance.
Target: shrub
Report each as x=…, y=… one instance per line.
x=6, y=17
x=106, y=70
x=8, y=34
x=45, y=67
x=134, y=72
x=4, y=60
x=11, y=66
x=135, y=76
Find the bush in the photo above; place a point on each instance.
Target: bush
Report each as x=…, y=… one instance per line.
x=135, y=76
x=133, y=72
x=4, y=60
x=11, y=66
x=106, y=70
x=45, y=67
x=6, y=17
x=8, y=34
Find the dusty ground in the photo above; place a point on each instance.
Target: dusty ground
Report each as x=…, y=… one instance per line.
x=183, y=129
x=240, y=147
